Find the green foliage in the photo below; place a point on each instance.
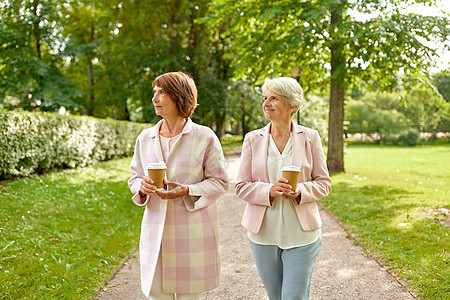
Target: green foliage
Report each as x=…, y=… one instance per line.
x=245, y=107
x=230, y=142
x=63, y=234
x=386, y=114
x=273, y=38
x=326, y=43
x=391, y=200
x=425, y=110
x=365, y=117
x=30, y=64
x=442, y=82
x=99, y=58
x=213, y=100
x=314, y=114
x=35, y=142
x=409, y=137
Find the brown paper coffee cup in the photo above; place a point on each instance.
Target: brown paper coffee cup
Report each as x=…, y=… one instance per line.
x=157, y=172
x=291, y=173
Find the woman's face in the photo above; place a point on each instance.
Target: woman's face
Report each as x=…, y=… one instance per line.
x=275, y=108
x=164, y=104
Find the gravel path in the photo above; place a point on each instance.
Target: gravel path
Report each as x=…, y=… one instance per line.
x=342, y=269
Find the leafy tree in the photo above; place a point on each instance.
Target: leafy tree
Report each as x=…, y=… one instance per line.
x=330, y=46
x=30, y=56
x=213, y=101
x=366, y=118
x=425, y=110
x=442, y=82
x=100, y=55
x=313, y=114
x=97, y=56
x=157, y=37
x=419, y=108
x=245, y=107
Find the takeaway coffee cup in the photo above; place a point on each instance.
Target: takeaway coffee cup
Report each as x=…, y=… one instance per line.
x=291, y=173
x=157, y=172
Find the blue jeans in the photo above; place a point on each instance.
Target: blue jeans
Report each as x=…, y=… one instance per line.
x=286, y=273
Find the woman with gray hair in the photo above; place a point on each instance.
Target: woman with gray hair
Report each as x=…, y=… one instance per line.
x=283, y=221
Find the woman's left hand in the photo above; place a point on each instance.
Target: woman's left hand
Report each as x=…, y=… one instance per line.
x=291, y=196
x=178, y=190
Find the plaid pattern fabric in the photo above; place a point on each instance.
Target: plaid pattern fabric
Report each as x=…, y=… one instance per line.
x=185, y=230
x=190, y=256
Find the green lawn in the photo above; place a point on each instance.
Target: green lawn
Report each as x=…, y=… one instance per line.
x=392, y=198
x=230, y=142
x=63, y=234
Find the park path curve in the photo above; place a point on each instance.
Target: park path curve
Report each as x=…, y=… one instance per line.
x=342, y=271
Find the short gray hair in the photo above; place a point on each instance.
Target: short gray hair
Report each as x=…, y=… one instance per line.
x=287, y=87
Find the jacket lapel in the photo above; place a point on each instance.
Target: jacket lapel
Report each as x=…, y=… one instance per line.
x=260, y=147
x=186, y=129
x=298, y=145
x=155, y=140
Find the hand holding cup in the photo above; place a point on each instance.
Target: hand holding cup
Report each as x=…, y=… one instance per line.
x=157, y=171
x=154, y=180
x=291, y=173
x=147, y=186
x=176, y=190
x=280, y=188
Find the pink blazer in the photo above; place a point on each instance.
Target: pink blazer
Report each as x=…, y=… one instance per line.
x=252, y=183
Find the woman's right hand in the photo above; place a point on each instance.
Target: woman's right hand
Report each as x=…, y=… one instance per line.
x=147, y=187
x=281, y=186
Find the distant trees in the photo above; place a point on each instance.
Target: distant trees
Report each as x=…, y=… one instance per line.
x=330, y=46
x=388, y=114
x=30, y=56
x=99, y=57
x=442, y=82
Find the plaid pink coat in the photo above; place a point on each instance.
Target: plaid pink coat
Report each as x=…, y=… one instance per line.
x=186, y=229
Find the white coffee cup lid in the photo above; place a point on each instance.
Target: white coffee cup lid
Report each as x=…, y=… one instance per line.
x=157, y=165
x=291, y=168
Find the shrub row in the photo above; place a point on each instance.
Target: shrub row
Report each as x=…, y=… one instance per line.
x=35, y=142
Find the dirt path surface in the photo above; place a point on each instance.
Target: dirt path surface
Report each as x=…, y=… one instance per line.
x=342, y=271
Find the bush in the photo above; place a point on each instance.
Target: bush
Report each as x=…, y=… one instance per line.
x=409, y=137
x=35, y=142
x=314, y=114
x=366, y=118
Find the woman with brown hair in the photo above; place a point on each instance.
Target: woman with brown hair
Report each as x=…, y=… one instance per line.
x=179, y=244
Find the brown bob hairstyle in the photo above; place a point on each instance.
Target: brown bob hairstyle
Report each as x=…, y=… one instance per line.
x=181, y=88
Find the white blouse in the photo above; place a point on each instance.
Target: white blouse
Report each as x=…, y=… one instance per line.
x=280, y=226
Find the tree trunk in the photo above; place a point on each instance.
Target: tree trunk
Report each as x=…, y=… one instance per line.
x=37, y=37
x=244, y=125
x=220, y=121
x=174, y=34
x=335, y=156
x=36, y=31
x=91, y=102
x=126, y=116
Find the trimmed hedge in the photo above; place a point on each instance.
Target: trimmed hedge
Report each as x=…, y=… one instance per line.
x=409, y=137
x=35, y=142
